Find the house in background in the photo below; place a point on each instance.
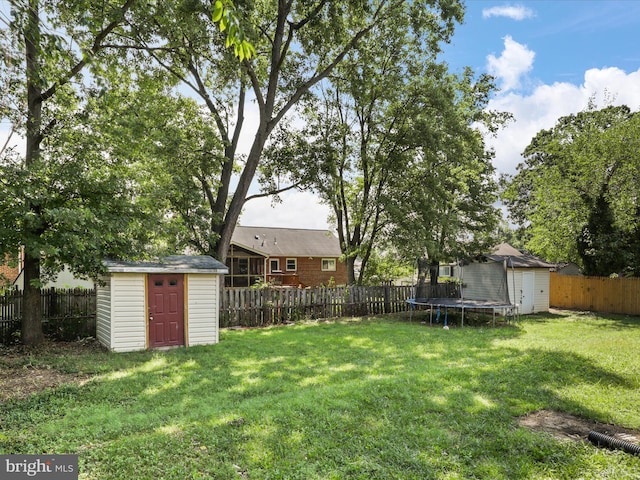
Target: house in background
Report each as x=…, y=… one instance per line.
x=569, y=268
x=284, y=256
x=9, y=273
x=65, y=279
x=527, y=278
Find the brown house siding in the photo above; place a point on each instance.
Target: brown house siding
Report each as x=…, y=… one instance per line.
x=8, y=274
x=309, y=271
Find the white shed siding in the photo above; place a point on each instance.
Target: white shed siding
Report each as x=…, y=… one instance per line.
x=128, y=312
x=202, y=308
x=514, y=282
x=540, y=287
x=103, y=312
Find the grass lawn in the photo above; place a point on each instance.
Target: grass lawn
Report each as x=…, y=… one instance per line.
x=359, y=399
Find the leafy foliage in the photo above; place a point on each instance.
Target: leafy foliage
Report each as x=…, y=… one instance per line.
x=577, y=191
x=393, y=149
x=67, y=204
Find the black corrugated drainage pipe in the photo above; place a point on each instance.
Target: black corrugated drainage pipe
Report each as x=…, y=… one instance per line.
x=602, y=440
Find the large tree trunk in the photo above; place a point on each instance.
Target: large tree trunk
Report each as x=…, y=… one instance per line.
x=32, y=310
x=240, y=195
x=422, y=287
x=350, y=263
x=434, y=271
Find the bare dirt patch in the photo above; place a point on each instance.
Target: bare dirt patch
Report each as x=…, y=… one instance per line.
x=21, y=383
x=569, y=427
x=23, y=372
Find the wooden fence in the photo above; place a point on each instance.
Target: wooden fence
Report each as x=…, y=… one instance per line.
x=596, y=294
x=66, y=314
x=265, y=306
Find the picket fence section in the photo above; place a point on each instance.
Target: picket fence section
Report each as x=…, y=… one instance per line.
x=595, y=294
x=257, y=307
x=265, y=306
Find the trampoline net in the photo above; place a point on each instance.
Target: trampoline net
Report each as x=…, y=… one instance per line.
x=485, y=281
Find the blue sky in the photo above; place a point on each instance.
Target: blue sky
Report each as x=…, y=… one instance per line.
x=568, y=37
x=549, y=57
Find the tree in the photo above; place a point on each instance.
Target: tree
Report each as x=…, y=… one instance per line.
x=577, y=191
x=66, y=200
x=360, y=131
x=444, y=209
x=298, y=44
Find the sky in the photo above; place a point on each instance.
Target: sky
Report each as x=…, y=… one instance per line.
x=549, y=58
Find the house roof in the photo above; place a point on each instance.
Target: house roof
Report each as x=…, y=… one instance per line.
x=171, y=264
x=287, y=242
x=516, y=258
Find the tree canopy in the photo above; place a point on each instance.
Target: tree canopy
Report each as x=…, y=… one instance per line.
x=69, y=200
x=297, y=45
x=577, y=191
x=392, y=148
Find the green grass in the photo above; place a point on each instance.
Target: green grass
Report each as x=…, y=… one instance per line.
x=364, y=399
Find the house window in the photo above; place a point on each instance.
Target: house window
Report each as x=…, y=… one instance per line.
x=274, y=265
x=292, y=264
x=445, y=271
x=328, y=264
x=244, y=271
x=240, y=266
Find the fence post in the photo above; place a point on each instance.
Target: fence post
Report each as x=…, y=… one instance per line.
x=387, y=298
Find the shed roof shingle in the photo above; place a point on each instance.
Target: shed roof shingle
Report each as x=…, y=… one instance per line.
x=516, y=258
x=171, y=264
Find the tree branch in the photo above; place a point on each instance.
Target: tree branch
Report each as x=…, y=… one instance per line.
x=302, y=89
x=273, y=192
x=97, y=46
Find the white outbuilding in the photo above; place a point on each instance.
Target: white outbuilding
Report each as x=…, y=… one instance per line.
x=170, y=303
x=528, y=278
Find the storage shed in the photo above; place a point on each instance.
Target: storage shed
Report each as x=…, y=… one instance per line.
x=169, y=303
x=527, y=278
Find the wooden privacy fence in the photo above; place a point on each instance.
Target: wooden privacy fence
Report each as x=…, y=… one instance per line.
x=255, y=307
x=66, y=314
x=596, y=294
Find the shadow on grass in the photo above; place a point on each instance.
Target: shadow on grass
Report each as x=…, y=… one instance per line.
x=373, y=399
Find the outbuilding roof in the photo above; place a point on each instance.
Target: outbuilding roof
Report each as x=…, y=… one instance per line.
x=171, y=264
x=287, y=242
x=516, y=259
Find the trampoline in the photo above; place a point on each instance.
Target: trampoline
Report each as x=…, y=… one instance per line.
x=484, y=286
x=459, y=304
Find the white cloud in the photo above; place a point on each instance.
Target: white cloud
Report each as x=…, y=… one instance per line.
x=515, y=61
x=297, y=210
x=515, y=12
x=547, y=103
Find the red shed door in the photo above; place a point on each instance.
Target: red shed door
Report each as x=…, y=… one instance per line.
x=166, y=310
